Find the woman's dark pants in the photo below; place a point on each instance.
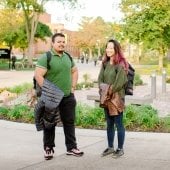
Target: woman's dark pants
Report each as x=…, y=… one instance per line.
x=111, y=122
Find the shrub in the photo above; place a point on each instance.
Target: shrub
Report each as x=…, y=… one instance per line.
x=130, y=116
x=82, y=85
x=89, y=117
x=137, y=80
x=3, y=111
x=142, y=117
x=21, y=113
x=136, y=118
x=21, y=88
x=168, y=80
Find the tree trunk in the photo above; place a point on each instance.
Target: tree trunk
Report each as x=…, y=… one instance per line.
x=30, y=53
x=32, y=29
x=139, y=53
x=168, y=54
x=90, y=53
x=161, y=54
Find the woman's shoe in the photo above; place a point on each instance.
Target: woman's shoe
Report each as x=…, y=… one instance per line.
x=108, y=151
x=119, y=152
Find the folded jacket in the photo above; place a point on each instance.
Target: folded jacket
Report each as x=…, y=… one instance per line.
x=46, y=110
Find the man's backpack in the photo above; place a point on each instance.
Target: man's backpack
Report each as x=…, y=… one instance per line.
x=130, y=82
x=35, y=84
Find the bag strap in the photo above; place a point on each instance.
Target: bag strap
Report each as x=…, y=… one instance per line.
x=48, y=53
x=68, y=55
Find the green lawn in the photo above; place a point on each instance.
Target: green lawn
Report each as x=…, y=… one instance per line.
x=149, y=69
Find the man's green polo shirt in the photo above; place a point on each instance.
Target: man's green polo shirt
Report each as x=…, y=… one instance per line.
x=60, y=70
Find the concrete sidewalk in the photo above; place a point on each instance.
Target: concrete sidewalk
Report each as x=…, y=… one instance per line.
x=12, y=78
x=21, y=145
x=21, y=148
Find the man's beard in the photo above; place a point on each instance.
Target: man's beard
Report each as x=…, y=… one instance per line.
x=60, y=51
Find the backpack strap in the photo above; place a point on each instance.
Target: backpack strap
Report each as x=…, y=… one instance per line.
x=104, y=65
x=48, y=53
x=69, y=55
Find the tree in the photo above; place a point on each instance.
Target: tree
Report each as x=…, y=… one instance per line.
x=13, y=32
x=94, y=33
x=147, y=21
x=91, y=35
x=31, y=9
x=9, y=26
x=42, y=32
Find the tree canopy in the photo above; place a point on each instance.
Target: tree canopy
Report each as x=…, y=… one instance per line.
x=9, y=26
x=93, y=34
x=31, y=10
x=13, y=32
x=147, y=21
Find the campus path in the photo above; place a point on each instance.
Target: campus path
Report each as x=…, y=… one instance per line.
x=21, y=148
x=21, y=144
x=9, y=78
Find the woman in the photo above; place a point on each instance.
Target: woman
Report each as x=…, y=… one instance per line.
x=114, y=72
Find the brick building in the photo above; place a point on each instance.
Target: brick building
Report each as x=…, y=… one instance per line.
x=43, y=46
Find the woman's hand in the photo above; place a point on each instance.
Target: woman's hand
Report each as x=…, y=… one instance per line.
x=110, y=91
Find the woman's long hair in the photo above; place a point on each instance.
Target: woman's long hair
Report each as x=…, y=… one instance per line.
x=119, y=57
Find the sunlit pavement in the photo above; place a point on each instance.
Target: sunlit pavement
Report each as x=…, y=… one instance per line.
x=10, y=78
x=21, y=145
x=21, y=148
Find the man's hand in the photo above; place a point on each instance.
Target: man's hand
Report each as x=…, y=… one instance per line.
x=74, y=73
x=39, y=75
x=72, y=89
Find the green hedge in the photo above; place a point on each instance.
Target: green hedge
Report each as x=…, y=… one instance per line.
x=136, y=118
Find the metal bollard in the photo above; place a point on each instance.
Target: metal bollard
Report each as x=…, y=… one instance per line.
x=153, y=85
x=164, y=81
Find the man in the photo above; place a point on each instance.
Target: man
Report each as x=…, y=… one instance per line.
x=13, y=59
x=64, y=74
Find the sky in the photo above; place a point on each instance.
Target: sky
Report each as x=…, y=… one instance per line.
x=107, y=9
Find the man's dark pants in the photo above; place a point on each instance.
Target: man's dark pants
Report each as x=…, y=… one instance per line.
x=67, y=113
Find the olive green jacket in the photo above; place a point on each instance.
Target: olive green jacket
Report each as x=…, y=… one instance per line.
x=115, y=76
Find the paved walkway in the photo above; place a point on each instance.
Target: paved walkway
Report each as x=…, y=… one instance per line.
x=21, y=148
x=11, y=78
x=21, y=144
